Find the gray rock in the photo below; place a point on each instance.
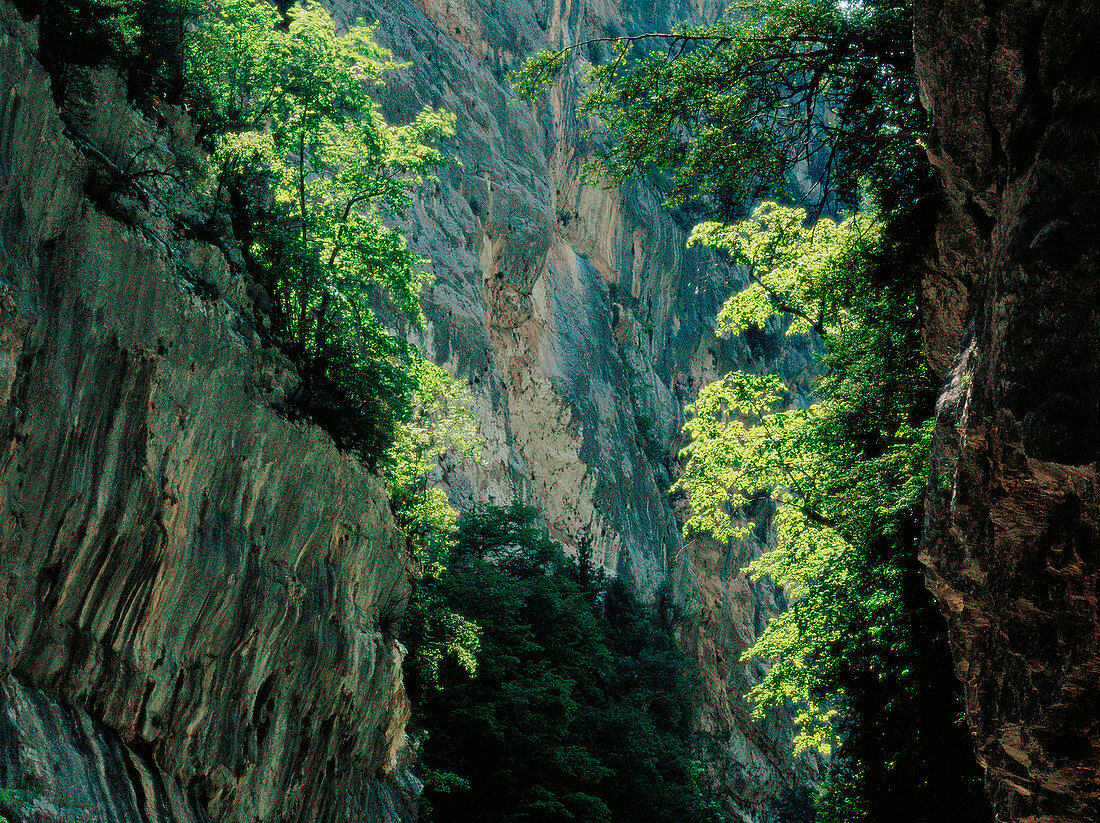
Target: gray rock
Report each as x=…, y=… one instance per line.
x=582, y=325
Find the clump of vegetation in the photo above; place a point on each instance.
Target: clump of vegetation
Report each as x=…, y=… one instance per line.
x=580, y=705
x=727, y=111
x=311, y=173
x=14, y=800
x=142, y=39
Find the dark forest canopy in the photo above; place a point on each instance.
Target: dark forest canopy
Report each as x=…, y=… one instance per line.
x=580, y=706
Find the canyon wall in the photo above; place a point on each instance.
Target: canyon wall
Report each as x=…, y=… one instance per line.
x=198, y=595
x=582, y=325
x=1012, y=321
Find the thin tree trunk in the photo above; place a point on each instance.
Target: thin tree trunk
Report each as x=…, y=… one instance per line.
x=303, y=280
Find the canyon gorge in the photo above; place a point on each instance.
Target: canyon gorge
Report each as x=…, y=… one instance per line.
x=201, y=593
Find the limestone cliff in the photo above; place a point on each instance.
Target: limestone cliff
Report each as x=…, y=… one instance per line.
x=1012, y=319
x=199, y=592
x=196, y=592
x=582, y=325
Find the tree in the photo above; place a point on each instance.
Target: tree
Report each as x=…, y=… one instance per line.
x=832, y=499
x=735, y=111
x=860, y=653
x=79, y=33
x=732, y=109
x=579, y=705
x=314, y=173
x=142, y=39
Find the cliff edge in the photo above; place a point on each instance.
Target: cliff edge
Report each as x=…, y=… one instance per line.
x=198, y=595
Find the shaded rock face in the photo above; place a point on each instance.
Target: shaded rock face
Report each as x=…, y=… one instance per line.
x=1012, y=539
x=197, y=594
x=582, y=325
x=56, y=743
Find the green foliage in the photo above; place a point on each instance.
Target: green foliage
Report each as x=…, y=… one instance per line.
x=441, y=421
x=579, y=709
x=802, y=270
x=830, y=497
x=309, y=176
x=81, y=32
x=14, y=799
x=731, y=109
x=293, y=105
x=778, y=91
x=858, y=655
x=312, y=174
x=647, y=435
x=155, y=60
x=142, y=39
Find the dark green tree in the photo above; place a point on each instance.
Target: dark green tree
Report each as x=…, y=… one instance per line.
x=142, y=39
x=74, y=33
x=579, y=706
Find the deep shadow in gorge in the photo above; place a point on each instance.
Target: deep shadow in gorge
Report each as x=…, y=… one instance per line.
x=1013, y=324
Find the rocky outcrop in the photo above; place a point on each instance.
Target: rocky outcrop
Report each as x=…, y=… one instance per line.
x=582, y=325
x=1012, y=539
x=198, y=595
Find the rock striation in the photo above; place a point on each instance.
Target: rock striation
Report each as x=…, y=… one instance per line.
x=1012, y=320
x=198, y=595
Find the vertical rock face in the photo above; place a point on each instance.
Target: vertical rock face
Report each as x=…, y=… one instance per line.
x=582, y=325
x=573, y=311
x=198, y=593
x=1012, y=540
x=188, y=579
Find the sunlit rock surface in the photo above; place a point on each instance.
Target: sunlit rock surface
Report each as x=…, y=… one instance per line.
x=1012, y=317
x=582, y=325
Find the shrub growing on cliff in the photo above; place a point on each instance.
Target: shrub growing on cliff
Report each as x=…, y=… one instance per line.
x=142, y=39
x=314, y=175
x=80, y=33
x=312, y=172
x=309, y=174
